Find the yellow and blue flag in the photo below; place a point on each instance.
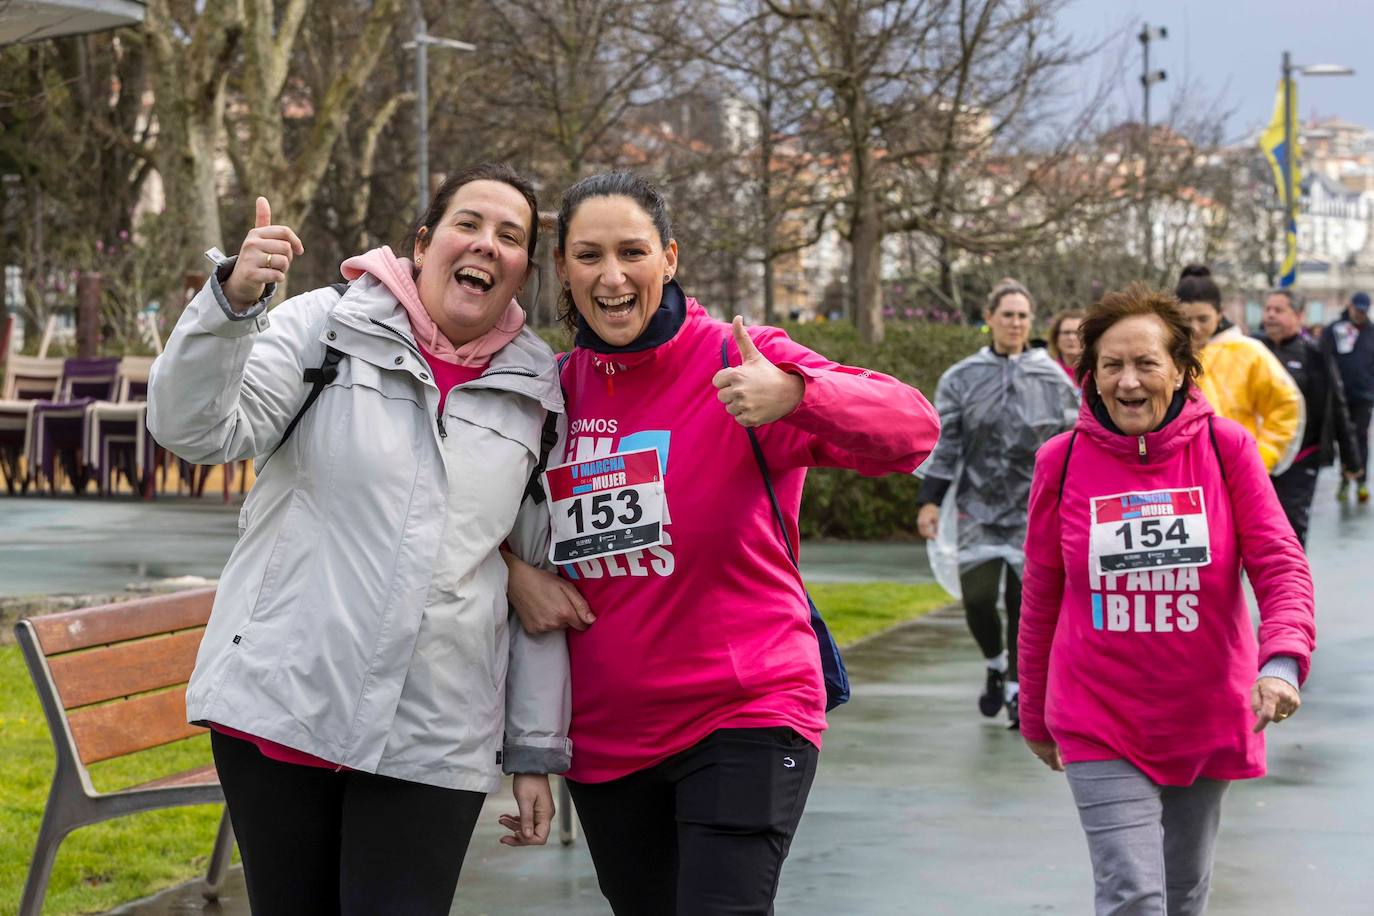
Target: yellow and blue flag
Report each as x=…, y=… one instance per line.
x=1273, y=146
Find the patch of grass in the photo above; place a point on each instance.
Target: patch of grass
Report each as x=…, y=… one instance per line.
x=855, y=610
x=104, y=865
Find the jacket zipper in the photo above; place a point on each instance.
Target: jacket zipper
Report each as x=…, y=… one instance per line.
x=439, y=414
x=1142, y=448
x=608, y=368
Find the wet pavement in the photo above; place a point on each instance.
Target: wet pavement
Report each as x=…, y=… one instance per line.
x=89, y=546
x=922, y=807
x=127, y=543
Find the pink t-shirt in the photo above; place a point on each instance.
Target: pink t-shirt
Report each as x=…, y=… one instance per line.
x=1155, y=666
x=447, y=375
x=711, y=629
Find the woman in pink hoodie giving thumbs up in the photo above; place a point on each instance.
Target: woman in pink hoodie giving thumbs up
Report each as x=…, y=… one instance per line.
x=698, y=700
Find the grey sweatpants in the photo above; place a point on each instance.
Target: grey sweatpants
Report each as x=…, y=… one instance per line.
x=1151, y=845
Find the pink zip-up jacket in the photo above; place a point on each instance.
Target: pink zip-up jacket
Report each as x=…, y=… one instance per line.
x=1156, y=666
x=711, y=629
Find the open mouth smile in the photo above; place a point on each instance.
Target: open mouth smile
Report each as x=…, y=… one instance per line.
x=474, y=278
x=616, y=307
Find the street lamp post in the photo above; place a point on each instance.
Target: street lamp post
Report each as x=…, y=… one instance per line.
x=420, y=44
x=1148, y=78
x=1290, y=158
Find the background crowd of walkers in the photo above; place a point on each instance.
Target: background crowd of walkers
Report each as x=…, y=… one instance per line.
x=466, y=555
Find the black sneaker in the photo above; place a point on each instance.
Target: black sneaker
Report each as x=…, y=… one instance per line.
x=1014, y=712
x=990, y=703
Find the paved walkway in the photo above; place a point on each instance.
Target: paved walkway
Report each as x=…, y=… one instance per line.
x=922, y=807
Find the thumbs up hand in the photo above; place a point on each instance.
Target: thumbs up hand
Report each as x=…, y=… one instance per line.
x=264, y=257
x=756, y=392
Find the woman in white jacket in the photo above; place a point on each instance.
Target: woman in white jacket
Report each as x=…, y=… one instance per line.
x=361, y=680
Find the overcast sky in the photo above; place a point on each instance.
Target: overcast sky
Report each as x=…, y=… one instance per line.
x=1234, y=48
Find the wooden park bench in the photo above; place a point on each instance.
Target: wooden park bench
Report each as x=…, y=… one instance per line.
x=112, y=680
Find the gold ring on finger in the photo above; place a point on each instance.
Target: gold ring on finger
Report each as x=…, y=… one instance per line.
x=269, y=261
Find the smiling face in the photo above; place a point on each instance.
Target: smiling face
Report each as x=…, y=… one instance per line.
x=1010, y=323
x=1067, y=340
x=474, y=260
x=614, y=265
x=1136, y=377
x=1280, y=320
x=1203, y=319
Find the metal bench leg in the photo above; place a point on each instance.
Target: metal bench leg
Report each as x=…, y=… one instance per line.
x=50, y=836
x=219, y=858
x=567, y=822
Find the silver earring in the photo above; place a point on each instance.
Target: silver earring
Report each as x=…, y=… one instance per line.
x=667, y=278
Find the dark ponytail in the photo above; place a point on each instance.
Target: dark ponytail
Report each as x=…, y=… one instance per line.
x=1195, y=284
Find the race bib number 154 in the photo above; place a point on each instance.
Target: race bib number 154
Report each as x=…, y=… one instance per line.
x=1159, y=529
x=604, y=506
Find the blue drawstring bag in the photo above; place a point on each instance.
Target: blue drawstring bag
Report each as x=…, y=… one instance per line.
x=832, y=665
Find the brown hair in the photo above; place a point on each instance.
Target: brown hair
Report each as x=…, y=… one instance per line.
x=618, y=183
x=1137, y=299
x=1004, y=288
x=483, y=171
x=1059, y=319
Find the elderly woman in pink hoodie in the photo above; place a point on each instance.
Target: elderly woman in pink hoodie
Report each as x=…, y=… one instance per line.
x=1141, y=675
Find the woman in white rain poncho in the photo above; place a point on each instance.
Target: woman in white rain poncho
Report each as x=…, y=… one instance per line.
x=997, y=407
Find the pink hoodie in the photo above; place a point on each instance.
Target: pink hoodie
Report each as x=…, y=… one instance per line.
x=710, y=629
x=1156, y=666
x=398, y=274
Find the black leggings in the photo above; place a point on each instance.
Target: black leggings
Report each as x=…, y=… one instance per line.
x=979, y=586
x=705, y=832
x=314, y=841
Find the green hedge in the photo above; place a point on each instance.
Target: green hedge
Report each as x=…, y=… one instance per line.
x=842, y=504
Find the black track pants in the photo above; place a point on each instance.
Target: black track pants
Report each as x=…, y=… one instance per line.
x=314, y=841
x=979, y=586
x=705, y=832
x=1295, y=488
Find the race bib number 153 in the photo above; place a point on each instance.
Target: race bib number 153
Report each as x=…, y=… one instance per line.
x=1159, y=529
x=604, y=506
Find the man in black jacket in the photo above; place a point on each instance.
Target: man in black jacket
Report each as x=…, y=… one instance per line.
x=1328, y=420
x=1350, y=341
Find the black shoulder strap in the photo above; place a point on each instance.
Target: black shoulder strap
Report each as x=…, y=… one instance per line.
x=548, y=438
x=1064, y=472
x=317, y=378
x=1212, y=434
x=763, y=469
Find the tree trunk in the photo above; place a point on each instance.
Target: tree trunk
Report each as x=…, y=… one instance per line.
x=865, y=266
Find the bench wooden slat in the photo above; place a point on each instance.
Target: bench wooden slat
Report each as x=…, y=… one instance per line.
x=105, y=732
x=200, y=776
x=122, y=670
x=67, y=631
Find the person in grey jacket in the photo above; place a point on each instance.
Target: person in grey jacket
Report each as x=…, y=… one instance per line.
x=360, y=674
x=997, y=407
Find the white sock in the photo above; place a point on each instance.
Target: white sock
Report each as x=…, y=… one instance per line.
x=999, y=663
x=1010, y=689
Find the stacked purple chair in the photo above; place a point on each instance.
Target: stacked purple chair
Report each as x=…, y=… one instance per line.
x=117, y=437
x=28, y=379
x=59, y=426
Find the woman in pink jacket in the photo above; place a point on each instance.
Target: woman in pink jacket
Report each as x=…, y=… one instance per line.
x=1140, y=673
x=697, y=698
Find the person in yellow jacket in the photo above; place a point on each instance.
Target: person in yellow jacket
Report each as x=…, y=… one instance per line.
x=1240, y=378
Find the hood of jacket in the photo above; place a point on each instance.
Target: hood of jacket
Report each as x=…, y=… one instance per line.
x=369, y=321
x=398, y=275
x=1155, y=446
